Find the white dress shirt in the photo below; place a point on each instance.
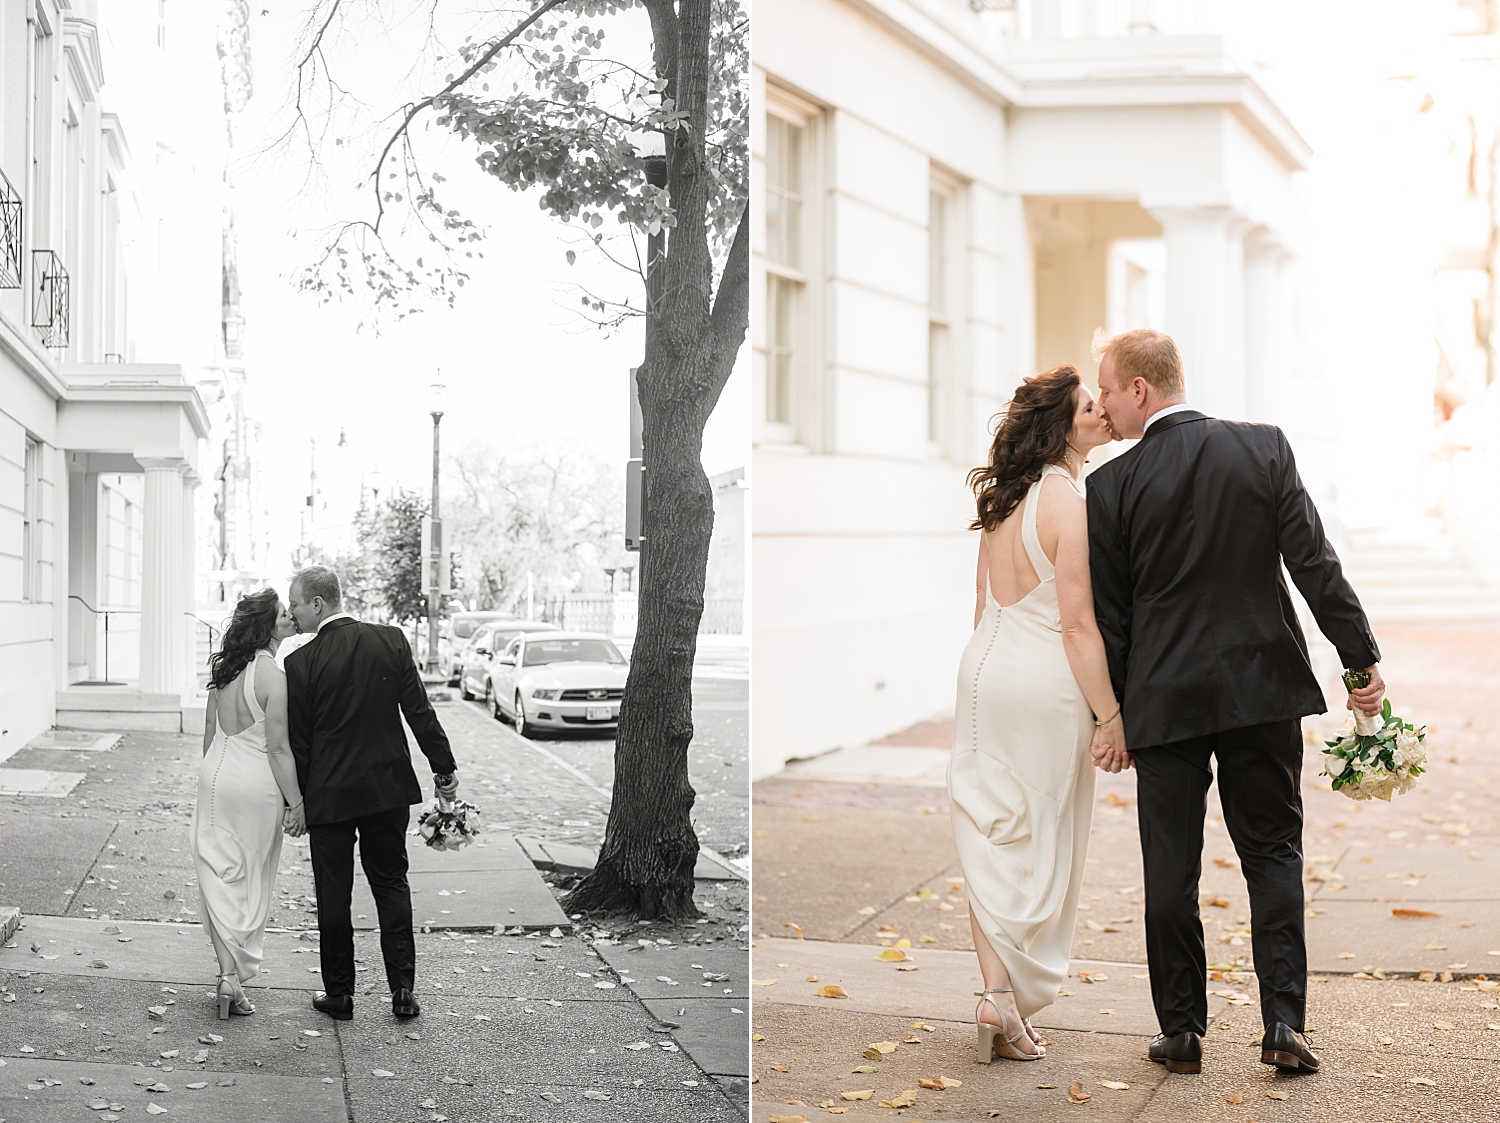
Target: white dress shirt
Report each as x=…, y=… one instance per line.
x=349, y=616
x=1165, y=411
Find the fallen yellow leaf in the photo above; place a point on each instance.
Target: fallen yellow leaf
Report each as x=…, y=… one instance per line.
x=1093, y=976
x=1413, y=912
x=1077, y=1095
x=1117, y=1085
x=1236, y=1097
x=922, y=1025
x=893, y=955
x=1105, y=1010
x=1443, y=1025
x=830, y=990
x=812, y=978
x=903, y=943
x=1423, y=1082
x=862, y=1095
x=780, y=1068
x=1275, y=1095
x=1046, y=1085
x=1093, y=926
x=905, y=1099
x=763, y=982
x=1435, y=946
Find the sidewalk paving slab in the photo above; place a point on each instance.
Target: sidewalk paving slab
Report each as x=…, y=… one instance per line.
x=46, y=782
x=570, y=858
x=476, y=900
x=684, y=964
x=1397, y=873
x=1368, y=931
x=42, y=858
x=943, y=986
x=262, y=1097
x=715, y=1032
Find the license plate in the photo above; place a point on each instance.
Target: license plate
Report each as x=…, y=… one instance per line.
x=597, y=713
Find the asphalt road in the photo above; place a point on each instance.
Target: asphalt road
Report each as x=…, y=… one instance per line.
x=718, y=765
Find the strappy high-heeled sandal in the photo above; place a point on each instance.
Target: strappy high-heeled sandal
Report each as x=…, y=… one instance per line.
x=232, y=998
x=993, y=1040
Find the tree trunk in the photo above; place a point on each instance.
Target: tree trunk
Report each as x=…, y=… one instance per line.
x=646, y=864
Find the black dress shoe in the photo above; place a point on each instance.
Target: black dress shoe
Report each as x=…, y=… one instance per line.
x=1284, y=1047
x=338, y=1006
x=1182, y=1052
x=404, y=1004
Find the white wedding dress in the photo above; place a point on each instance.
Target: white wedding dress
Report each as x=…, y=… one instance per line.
x=236, y=837
x=1021, y=781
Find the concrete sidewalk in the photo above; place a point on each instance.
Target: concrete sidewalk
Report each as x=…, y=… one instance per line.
x=106, y=988
x=849, y=866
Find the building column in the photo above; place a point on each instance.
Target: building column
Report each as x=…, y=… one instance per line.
x=188, y=581
x=1205, y=303
x=1270, y=358
x=162, y=668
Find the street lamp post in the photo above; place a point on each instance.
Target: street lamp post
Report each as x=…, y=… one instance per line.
x=435, y=561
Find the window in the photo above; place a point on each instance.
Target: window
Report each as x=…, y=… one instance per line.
x=940, y=309
x=31, y=522
x=786, y=282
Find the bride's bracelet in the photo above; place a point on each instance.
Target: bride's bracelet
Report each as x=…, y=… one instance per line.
x=1106, y=721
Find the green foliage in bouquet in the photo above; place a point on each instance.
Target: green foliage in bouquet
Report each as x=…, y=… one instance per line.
x=1380, y=764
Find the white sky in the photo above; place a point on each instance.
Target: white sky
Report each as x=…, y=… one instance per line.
x=522, y=365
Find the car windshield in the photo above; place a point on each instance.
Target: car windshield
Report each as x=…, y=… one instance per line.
x=463, y=629
x=543, y=651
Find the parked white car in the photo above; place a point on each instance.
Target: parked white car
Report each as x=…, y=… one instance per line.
x=557, y=680
x=471, y=665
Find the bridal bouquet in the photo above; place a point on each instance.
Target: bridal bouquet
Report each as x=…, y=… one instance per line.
x=449, y=826
x=1375, y=756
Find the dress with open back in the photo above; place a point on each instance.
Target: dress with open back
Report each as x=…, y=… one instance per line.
x=236, y=837
x=1021, y=781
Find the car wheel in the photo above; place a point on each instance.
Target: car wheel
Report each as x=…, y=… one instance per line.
x=523, y=727
x=493, y=701
x=463, y=690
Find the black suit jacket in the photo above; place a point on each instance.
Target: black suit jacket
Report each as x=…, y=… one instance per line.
x=1187, y=535
x=346, y=692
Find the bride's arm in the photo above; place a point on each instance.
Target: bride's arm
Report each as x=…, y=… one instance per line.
x=981, y=577
x=210, y=720
x=278, y=747
x=1075, y=601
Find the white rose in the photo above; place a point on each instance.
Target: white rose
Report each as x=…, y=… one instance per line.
x=1409, y=749
x=1378, y=785
x=1337, y=765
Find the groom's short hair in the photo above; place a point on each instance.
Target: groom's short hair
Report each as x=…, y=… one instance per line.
x=1144, y=353
x=320, y=581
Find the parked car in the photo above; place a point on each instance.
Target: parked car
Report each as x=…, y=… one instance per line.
x=472, y=660
x=462, y=628
x=557, y=680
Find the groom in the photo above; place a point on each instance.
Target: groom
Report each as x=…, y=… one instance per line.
x=1188, y=532
x=346, y=693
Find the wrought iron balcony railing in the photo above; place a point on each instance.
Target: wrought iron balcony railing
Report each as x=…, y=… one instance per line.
x=49, y=302
x=10, y=235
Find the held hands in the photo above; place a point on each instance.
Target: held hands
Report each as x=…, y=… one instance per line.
x=1108, y=746
x=1368, y=698
x=294, y=820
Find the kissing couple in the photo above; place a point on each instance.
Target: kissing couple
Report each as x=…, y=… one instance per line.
x=315, y=748
x=1141, y=622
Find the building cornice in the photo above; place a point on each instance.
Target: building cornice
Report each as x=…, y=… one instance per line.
x=136, y=383
x=1145, y=71
x=81, y=46
x=114, y=139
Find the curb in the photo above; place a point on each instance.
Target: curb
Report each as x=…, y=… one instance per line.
x=10, y=923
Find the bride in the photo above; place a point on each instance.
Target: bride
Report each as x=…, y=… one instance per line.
x=247, y=792
x=1034, y=703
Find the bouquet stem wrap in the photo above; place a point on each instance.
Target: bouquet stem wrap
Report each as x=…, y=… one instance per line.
x=1374, y=756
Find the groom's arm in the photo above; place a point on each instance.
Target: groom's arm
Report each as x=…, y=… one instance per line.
x=1315, y=568
x=418, y=709
x=1113, y=592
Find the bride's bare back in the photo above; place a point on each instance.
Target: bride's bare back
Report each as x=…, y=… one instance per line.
x=1002, y=553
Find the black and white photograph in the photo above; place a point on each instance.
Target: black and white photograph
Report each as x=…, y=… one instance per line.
x=374, y=435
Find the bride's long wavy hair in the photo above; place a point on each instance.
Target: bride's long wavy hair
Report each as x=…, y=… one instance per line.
x=251, y=628
x=1033, y=433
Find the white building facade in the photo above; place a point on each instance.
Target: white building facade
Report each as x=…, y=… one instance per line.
x=100, y=422
x=953, y=197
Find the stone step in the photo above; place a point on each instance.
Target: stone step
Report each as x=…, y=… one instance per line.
x=114, y=708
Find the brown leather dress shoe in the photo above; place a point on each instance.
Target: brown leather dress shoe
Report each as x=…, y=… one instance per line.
x=337, y=1006
x=1285, y=1048
x=1181, y=1052
x=404, y=1003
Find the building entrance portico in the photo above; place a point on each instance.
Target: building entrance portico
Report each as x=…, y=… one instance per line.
x=129, y=435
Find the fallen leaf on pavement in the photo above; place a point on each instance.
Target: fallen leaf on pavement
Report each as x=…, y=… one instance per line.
x=381, y=1072
x=830, y=990
x=763, y=982
x=795, y=927
x=905, y=1099
x=939, y=1083
x=197, y=1085
x=1423, y=1081
x=788, y=1119
x=1093, y=926
x=1435, y=946
x=867, y=911
x=778, y=1068
x=1117, y=1085
x=1046, y=1085
x=1093, y=976
x=923, y=1026
x=155, y=1109
x=1413, y=912
x=1077, y=1095
x=877, y=1049
x=1443, y=1025
x=867, y=1069
x=1275, y=1095
x=812, y=978
x=892, y=955
x=1227, y=864
x=862, y=1095
x=1236, y=1098
x=1375, y=1072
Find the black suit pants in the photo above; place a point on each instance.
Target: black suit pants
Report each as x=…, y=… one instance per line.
x=382, y=852
x=1260, y=771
